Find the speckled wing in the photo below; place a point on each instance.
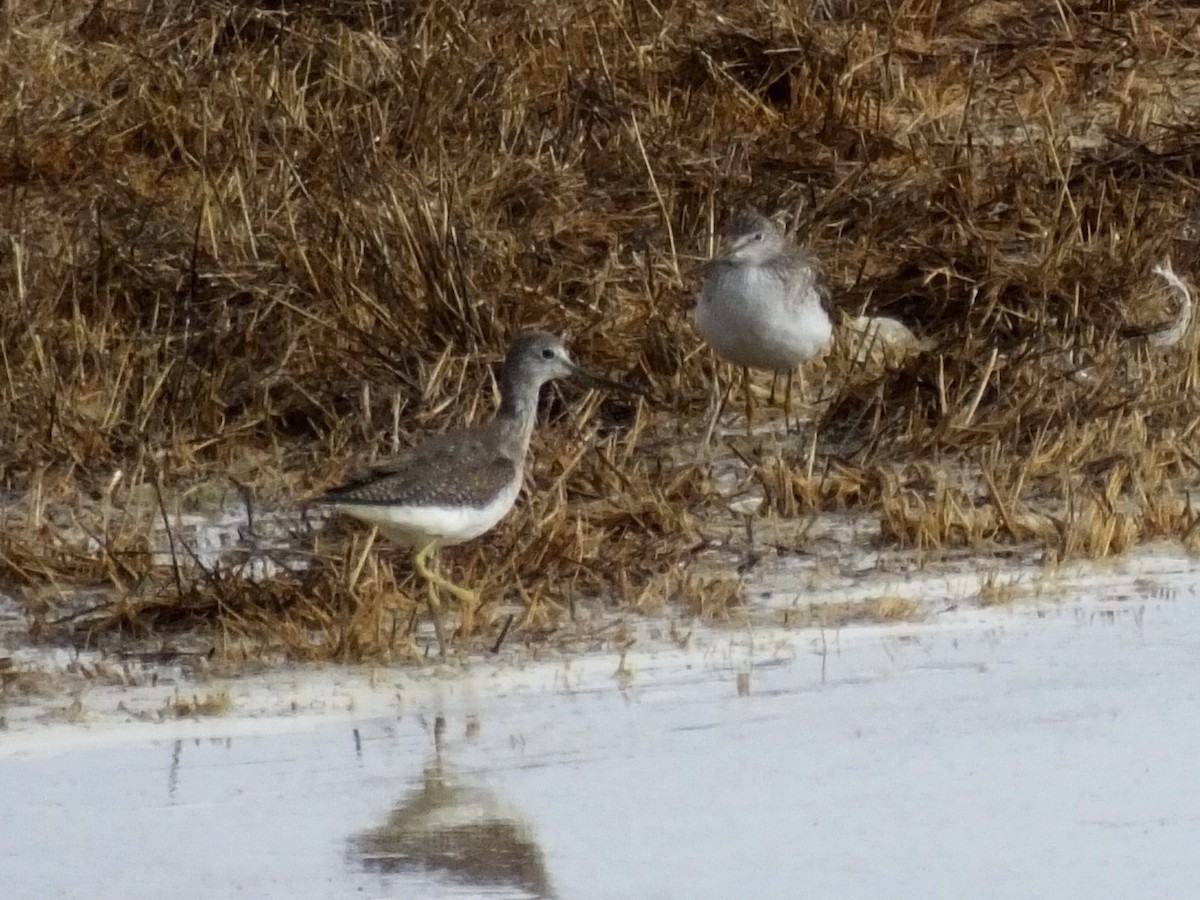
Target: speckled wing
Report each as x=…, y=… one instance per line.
x=458, y=468
x=806, y=280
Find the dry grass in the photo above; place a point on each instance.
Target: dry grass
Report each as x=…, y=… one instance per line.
x=263, y=243
x=18, y=683
x=215, y=703
x=885, y=608
x=993, y=591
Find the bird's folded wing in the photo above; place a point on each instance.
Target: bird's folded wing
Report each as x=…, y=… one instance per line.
x=449, y=469
x=807, y=282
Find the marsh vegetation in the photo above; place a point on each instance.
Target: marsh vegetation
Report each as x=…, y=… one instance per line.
x=247, y=247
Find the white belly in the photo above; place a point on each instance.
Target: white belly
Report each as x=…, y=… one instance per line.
x=417, y=526
x=751, y=321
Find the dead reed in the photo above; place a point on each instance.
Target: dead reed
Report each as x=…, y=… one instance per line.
x=256, y=244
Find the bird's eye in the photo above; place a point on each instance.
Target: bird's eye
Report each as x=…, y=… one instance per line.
x=547, y=353
x=758, y=235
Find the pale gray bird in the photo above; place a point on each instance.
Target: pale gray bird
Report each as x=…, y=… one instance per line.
x=456, y=486
x=764, y=304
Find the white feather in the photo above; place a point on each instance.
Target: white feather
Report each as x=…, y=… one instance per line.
x=751, y=318
x=415, y=526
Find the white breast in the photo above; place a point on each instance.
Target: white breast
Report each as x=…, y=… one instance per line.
x=750, y=318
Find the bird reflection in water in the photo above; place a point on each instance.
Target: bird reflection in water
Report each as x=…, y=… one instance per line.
x=462, y=831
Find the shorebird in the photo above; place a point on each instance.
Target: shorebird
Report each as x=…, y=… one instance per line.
x=764, y=304
x=456, y=486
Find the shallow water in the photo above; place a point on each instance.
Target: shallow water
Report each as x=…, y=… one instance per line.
x=1025, y=752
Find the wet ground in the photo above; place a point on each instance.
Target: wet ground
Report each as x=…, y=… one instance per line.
x=1034, y=749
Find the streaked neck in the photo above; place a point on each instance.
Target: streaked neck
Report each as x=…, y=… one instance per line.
x=518, y=411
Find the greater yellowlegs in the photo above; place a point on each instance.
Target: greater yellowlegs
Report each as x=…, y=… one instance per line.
x=764, y=304
x=453, y=487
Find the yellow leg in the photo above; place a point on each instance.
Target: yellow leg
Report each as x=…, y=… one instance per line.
x=435, y=613
x=431, y=589
x=749, y=399
x=719, y=400
x=787, y=402
x=467, y=599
